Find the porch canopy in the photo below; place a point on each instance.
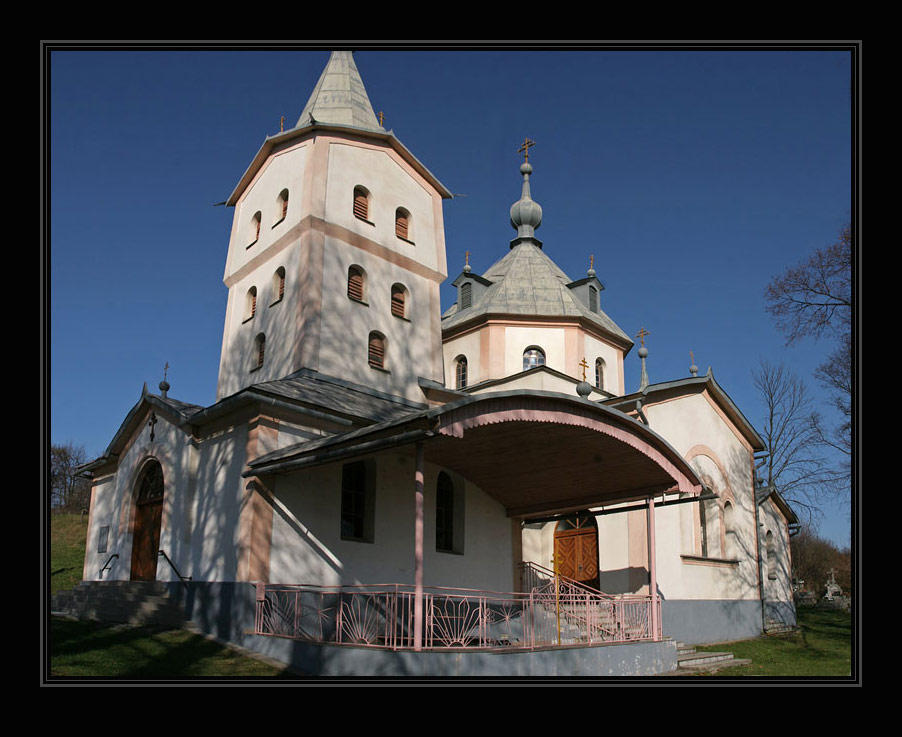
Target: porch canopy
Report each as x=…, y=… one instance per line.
x=534, y=452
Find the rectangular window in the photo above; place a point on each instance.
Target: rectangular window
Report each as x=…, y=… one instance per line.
x=357, y=501
x=103, y=537
x=449, y=515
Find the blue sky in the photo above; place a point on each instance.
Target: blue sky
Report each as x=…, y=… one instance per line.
x=693, y=177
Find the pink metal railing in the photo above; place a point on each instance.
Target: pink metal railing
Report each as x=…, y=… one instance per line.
x=549, y=614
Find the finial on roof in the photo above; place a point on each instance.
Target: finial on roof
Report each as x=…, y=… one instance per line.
x=164, y=385
x=591, y=271
x=526, y=214
x=643, y=352
x=693, y=369
x=467, y=262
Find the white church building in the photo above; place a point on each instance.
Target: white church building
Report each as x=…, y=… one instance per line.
x=384, y=486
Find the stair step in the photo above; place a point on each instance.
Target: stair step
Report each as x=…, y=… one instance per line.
x=694, y=659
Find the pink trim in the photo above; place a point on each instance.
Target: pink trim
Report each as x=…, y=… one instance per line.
x=418, y=552
x=455, y=423
x=652, y=573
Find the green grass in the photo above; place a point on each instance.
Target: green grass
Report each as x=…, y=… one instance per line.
x=67, y=550
x=821, y=648
x=94, y=650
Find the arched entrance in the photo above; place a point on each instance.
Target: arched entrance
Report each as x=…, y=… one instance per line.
x=576, y=548
x=148, y=521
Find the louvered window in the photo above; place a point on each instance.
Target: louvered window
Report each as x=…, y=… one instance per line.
x=397, y=301
x=261, y=347
x=361, y=203
x=376, y=355
x=593, y=299
x=355, y=284
x=284, y=201
x=466, y=295
x=251, y=308
x=402, y=221
x=280, y=282
x=461, y=373
x=256, y=227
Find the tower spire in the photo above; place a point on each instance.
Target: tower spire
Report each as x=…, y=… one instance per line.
x=339, y=97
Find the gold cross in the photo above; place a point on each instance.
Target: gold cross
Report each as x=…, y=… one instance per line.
x=584, y=366
x=380, y=117
x=282, y=124
x=592, y=261
x=641, y=335
x=467, y=258
x=691, y=357
x=524, y=148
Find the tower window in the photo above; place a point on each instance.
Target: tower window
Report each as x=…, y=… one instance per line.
x=282, y=203
x=356, y=282
x=399, y=300
x=255, y=228
x=361, y=203
x=460, y=371
x=250, y=304
x=444, y=513
x=376, y=350
x=532, y=357
x=402, y=223
x=278, y=284
x=593, y=299
x=259, y=350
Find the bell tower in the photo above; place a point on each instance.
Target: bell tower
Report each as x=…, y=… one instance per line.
x=336, y=253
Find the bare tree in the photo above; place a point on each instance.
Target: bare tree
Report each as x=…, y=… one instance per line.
x=814, y=300
x=795, y=464
x=68, y=491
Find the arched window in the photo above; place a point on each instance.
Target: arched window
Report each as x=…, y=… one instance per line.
x=402, y=223
x=376, y=350
x=599, y=373
x=444, y=513
x=255, y=228
x=460, y=372
x=399, y=300
x=361, y=203
x=250, y=308
x=466, y=295
x=771, y=551
x=532, y=357
x=703, y=528
x=259, y=350
x=282, y=203
x=356, y=283
x=278, y=284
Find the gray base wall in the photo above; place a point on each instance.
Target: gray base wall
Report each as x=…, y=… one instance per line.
x=696, y=622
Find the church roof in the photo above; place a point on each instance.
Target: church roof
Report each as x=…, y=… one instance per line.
x=527, y=282
x=339, y=97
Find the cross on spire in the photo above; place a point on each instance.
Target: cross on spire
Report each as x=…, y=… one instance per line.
x=381, y=117
x=466, y=258
x=166, y=367
x=282, y=124
x=641, y=335
x=592, y=261
x=584, y=366
x=524, y=148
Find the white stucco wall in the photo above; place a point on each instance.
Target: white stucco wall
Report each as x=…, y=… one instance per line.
x=307, y=546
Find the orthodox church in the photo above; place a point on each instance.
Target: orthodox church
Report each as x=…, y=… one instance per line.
x=471, y=482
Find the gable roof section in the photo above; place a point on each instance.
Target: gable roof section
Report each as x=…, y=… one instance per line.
x=693, y=385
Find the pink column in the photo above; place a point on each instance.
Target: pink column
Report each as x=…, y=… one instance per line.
x=418, y=553
x=652, y=575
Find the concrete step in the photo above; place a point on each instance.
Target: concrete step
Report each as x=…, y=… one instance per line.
x=696, y=659
x=128, y=602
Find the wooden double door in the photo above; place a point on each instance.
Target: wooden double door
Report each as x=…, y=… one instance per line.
x=576, y=549
x=148, y=523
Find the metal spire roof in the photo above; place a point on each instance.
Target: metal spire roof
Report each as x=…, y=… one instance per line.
x=339, y=97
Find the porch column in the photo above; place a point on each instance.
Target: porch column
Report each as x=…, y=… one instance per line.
x=652, y=576
x=418, y=552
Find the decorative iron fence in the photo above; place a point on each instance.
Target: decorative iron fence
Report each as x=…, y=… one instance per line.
x=553, y=613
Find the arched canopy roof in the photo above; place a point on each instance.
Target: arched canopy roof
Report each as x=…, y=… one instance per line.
x=533, y=452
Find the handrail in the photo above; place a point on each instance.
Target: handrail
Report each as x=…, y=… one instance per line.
x=182, y=578
x=106, y=566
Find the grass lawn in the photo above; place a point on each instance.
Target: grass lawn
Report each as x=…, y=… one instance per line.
x=94, y=650
x=822, y=647
x=67, y=550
